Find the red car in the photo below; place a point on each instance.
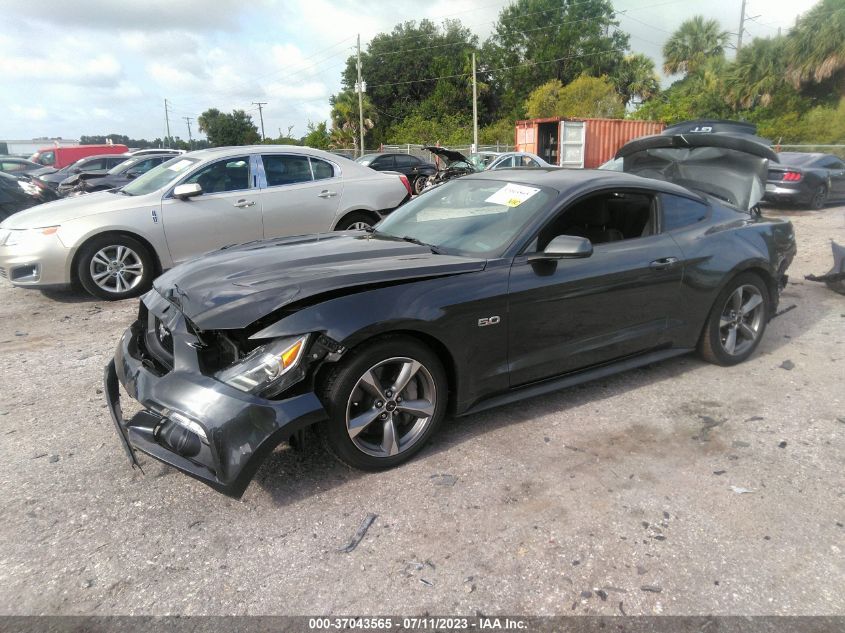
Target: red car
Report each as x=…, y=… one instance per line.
x=59, y=157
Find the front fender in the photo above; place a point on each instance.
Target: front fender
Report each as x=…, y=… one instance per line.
x=446, y=309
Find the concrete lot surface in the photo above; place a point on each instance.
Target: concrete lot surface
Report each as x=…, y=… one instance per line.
x=621, y=496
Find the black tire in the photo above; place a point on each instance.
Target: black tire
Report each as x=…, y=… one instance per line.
x=344, y=399
x=715, y=341
x=819, y=198
x=419, y=184
x=130, y=284
x=355, y=220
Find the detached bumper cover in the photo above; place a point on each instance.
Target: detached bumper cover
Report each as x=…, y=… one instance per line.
x=199, y=425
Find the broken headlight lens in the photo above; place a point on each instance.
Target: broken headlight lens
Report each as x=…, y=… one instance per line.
x=265, y=368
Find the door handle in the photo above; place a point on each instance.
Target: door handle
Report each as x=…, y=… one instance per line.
x=663, y=263
x=242, y=203
x=325, y=193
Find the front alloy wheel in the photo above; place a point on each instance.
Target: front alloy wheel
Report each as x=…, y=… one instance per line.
x=390, y=407
x=115, y=267
x=384, y=400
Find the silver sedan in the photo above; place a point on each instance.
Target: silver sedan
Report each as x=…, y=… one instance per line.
x=115, y=242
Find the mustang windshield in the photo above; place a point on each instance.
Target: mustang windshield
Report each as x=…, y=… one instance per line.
x=159, y=176
x=468, y=216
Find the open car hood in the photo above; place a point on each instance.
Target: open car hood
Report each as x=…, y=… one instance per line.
x=731, y=167
x=448, y=154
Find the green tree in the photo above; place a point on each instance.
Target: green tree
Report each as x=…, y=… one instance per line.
x=346, y=120
x=758, y=72
x=584, y=97
x=695, y=41
x=537, y=40
x=816, y=46
x=543, y=100
x=397, y=67
x=635, y=79
x=317, y=136
x=224, y=129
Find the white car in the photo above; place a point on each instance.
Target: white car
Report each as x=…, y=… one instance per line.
x=115, y=242
x=516, y=159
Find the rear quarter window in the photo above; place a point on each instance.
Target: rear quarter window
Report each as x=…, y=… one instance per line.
x=679, y=212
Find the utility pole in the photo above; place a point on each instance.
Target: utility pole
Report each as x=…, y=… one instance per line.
x=190, y=139
x=741, y=28
x=474, y=108
x=167, y=121
x=360, y=88
x=261, y=116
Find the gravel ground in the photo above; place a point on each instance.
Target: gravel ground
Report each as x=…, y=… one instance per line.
x=609, y=498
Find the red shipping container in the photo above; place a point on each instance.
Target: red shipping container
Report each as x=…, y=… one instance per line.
x=579, y=142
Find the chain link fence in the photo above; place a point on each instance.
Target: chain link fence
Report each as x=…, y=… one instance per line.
x=836, y=150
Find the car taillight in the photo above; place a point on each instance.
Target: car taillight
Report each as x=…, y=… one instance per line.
x=792, y=176
x=405, y=182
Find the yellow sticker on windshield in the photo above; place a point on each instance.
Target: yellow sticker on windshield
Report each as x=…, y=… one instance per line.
x=512, y=195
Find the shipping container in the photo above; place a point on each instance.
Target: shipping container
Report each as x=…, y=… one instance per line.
x=578, y=142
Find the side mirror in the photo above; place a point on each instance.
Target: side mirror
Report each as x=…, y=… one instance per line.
x=565, y=247
x=183, y=192
x=132, y=174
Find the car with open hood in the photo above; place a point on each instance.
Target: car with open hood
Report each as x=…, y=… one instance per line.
x=451, y=164
x=115, y=242
x=490, y=288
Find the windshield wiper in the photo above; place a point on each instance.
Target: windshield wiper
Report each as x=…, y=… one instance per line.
x=414, y=240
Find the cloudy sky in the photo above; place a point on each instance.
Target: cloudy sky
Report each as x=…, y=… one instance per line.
x=99, y=66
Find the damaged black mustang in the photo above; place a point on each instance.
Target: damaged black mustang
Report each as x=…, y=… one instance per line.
x=490, y=288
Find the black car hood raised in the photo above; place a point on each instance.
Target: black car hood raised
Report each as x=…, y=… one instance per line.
x=727, y=166
x=233, y=287
x=450, y=155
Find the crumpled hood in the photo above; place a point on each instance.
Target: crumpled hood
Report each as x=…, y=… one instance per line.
x=59, y=211
x=233, y=287
x=730, y=167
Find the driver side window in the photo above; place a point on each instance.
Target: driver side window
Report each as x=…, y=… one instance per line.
x=610, y=216
x=231, y=174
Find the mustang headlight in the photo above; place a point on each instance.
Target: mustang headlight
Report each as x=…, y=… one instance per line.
x=267, y=369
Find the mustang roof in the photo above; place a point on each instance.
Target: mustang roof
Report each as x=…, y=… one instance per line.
x=564, y=179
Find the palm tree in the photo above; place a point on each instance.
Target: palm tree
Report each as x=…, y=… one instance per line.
x=695, y=41
x=635, y=79
x=816, y=46
x=345, y=119
x=758, y=72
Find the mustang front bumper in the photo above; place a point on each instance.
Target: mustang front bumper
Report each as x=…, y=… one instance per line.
x=201, y=426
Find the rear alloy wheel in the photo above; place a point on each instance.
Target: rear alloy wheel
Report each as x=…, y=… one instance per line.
x=819, y=198
x=737, y=321
x=383, y=403
x=355, y=222
x=115, y=267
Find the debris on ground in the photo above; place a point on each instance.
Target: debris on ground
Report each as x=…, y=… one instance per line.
x=719, y=472
x=652, y=588
x=621, y=608
x=427, y=583
x=740, y=444
x=601, y=593
x=782, y=444
x=54, y=459
x=359, y=535
x=788, y=365
x=444, y=479
x=835, y=277
x=741, y=491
